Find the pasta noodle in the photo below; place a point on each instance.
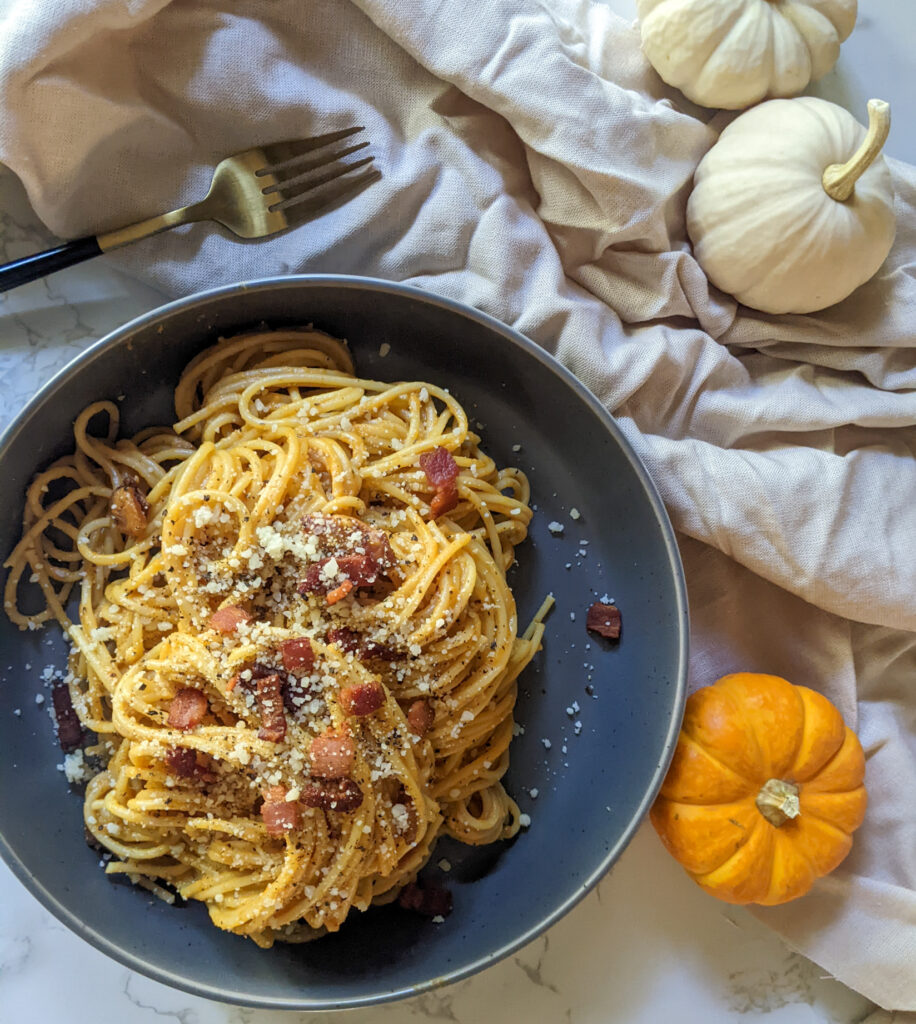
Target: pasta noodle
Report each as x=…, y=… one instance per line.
x=249, y=582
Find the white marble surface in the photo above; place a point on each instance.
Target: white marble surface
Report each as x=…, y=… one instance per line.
x=646, y=947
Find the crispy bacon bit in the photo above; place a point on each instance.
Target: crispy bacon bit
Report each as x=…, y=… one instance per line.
x=382, y=652
x=332, y=754
x=346, y=639
x=350, y=642
x=443, y=501
x=69, y=730
x=187, y=709
x=604, y=619
x=280, y=815
x=441, y=471
x=440, y=468
x=428, y=900
x=257, y=670
x=183, y=763
x=361, y=552
x=420, y=717
x=341, y=535
x=362, y=698
x=297, y=654
x=295, y=693
x=339, y=593
x=129, y=509
x=332, y=794
x=228, y=619
x=270, y=708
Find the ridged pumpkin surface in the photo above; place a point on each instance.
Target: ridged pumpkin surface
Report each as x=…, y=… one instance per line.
x=738, y=734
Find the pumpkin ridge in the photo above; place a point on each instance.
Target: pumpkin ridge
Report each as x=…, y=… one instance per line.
x=750, y=783
x=821, y=820
x=823, y=767
x=745, y=838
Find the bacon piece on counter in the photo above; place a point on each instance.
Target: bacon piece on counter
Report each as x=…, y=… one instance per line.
x=332, y=754
x=69, y=730
x=440, y=468
x=362, y=698
x=129, y=509
x=428, y=900
x=420, y=717
x=228, y=619
x=332, y=794
x=270, y=708
x=604, y=619
x=188, y=708
x=297, y=654
x=280, y=815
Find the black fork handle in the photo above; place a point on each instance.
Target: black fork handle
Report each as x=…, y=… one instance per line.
x=30, y=268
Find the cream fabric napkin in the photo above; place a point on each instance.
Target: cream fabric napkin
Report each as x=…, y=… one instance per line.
x=535, y=167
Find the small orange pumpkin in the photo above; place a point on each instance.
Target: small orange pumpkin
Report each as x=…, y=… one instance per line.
x=764, y=790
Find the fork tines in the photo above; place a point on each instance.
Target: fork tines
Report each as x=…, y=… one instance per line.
x=300, y=168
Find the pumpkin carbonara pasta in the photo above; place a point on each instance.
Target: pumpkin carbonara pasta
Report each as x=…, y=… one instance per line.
x=295, y=657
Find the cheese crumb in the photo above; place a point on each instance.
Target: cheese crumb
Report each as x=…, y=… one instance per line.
x=555, y=527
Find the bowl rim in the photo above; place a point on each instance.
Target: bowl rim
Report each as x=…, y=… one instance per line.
x=116, y=337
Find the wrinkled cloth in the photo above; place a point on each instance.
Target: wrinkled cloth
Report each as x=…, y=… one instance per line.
x=536, y=167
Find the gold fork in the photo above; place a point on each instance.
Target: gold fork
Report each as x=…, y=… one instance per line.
x=254, y=194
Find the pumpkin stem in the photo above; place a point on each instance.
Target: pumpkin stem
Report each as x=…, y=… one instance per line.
x=777, y=801
x=839, y=180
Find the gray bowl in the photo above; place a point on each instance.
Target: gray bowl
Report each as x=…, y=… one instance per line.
x=594, y=781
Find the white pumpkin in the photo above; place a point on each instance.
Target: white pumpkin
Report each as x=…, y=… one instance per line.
x=786, y=213
x=734, y=53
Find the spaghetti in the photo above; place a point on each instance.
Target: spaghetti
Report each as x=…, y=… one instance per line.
x=295, y=642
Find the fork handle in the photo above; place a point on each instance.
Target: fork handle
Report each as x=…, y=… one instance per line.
x=30, y=268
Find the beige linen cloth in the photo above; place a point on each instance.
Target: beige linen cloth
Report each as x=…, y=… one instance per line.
x=535, y=167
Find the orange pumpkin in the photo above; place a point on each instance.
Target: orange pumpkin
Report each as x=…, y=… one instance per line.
x=764, y=790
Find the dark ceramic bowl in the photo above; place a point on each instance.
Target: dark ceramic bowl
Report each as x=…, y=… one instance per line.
x=594, y=781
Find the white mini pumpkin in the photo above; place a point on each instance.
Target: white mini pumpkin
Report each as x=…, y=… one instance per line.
x=786, y=213
x=733, y=53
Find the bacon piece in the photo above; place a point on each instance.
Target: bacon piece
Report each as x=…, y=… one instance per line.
x=428, y=900
x=440, y=468
x=183, y=763
x=420, y=717
x=270, y=708
x=69, y=729
x=346, y=639
x=297, y=654
x=443, y=501
x=332, y=754
x=257, y=670
x=357, y=570
x=280, y=815
x=340, y=534
x=228, y=619
x=362, y=698
x=350, y=642
x=332, y=794
x=129, y=509
x=604, y=619
x=339, y=593
x=370, y=649
x=294, y=694
x=188, y=708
